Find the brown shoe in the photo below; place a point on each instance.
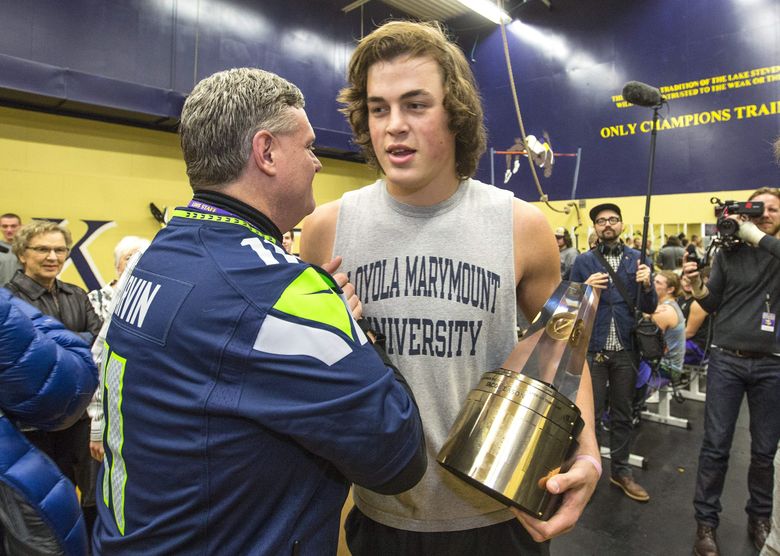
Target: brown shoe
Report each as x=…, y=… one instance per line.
x=706, y=544
x=630, y=488
x=758, y=530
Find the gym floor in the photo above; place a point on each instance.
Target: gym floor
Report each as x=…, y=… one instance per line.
x=613, y=524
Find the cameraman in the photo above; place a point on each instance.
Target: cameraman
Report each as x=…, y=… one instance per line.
x=744, y=289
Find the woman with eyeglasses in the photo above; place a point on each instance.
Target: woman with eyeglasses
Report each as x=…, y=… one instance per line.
x=42, y=248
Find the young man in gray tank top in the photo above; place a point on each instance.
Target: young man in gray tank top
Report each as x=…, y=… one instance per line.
x=413, y=244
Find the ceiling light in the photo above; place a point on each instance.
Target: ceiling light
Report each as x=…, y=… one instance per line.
x=488, y=10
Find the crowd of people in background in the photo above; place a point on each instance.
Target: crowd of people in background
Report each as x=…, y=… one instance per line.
x=668, y=257
x=691, y=323
x=715, y=306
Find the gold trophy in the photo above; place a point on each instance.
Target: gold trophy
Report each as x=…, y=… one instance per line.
x=519, y=426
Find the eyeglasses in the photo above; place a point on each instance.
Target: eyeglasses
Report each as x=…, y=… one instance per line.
x=612, y=220
x=41, y=250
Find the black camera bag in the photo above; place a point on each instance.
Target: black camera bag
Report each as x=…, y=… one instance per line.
x=649, y=340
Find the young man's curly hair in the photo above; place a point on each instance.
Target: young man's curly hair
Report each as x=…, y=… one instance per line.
x=461, y=97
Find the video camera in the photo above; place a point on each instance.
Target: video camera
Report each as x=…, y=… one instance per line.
x=727, y=227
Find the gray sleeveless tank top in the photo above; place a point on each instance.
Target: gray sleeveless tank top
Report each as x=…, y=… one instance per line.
x=439, y=282
x=675, y=340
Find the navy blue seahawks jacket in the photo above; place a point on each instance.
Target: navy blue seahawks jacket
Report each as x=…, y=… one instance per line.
x=47, y=378
x=611, y=303
x=240, y=399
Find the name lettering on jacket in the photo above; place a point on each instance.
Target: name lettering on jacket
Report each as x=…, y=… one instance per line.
x=136, y=300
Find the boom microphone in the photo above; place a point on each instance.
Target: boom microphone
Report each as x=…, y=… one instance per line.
x=641, y=94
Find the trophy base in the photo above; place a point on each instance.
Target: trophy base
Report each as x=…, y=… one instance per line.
x=510, y=437
x=552, y=503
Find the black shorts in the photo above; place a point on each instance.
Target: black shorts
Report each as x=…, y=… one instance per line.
x=366, y=537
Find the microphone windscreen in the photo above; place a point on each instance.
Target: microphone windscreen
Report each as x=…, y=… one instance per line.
x=641, y=94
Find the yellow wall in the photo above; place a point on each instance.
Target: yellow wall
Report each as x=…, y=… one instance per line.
x=61, y=167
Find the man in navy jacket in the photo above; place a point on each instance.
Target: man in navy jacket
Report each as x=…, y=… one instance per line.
x=241, y=397
x=611, y=353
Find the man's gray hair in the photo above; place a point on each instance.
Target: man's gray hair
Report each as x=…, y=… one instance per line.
x=222, y=115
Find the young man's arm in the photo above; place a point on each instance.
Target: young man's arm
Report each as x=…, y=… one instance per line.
x=664, y=317
x=316, y=244
x=316, y=247
x=319, y=234
x=537, y=271
x=695, y=319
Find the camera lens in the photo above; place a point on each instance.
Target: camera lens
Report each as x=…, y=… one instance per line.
x=727, y=226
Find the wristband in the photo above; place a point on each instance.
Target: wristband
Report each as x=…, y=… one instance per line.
x=750, y=233
x=700, y=293
x=590, y=459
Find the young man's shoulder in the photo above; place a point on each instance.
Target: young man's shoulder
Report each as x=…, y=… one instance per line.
x=319, y=228
x=529, y=220
x=319, y=233
x=525, y=208
x=325, y=213
x=328, y=213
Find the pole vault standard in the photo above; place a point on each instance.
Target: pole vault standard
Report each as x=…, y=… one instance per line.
x=571, y=203
x=494, y=152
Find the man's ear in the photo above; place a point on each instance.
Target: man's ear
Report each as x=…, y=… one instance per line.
x=264, y=149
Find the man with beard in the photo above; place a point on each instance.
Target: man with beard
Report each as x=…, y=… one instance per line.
x=611, y=354
x=745, y=360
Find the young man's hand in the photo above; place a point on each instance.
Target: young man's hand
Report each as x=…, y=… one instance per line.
x=577, y=486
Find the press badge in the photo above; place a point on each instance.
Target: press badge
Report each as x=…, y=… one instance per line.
x=768, y=322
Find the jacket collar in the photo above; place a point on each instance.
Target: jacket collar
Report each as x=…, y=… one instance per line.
x=240, y=209
x=33, y=289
